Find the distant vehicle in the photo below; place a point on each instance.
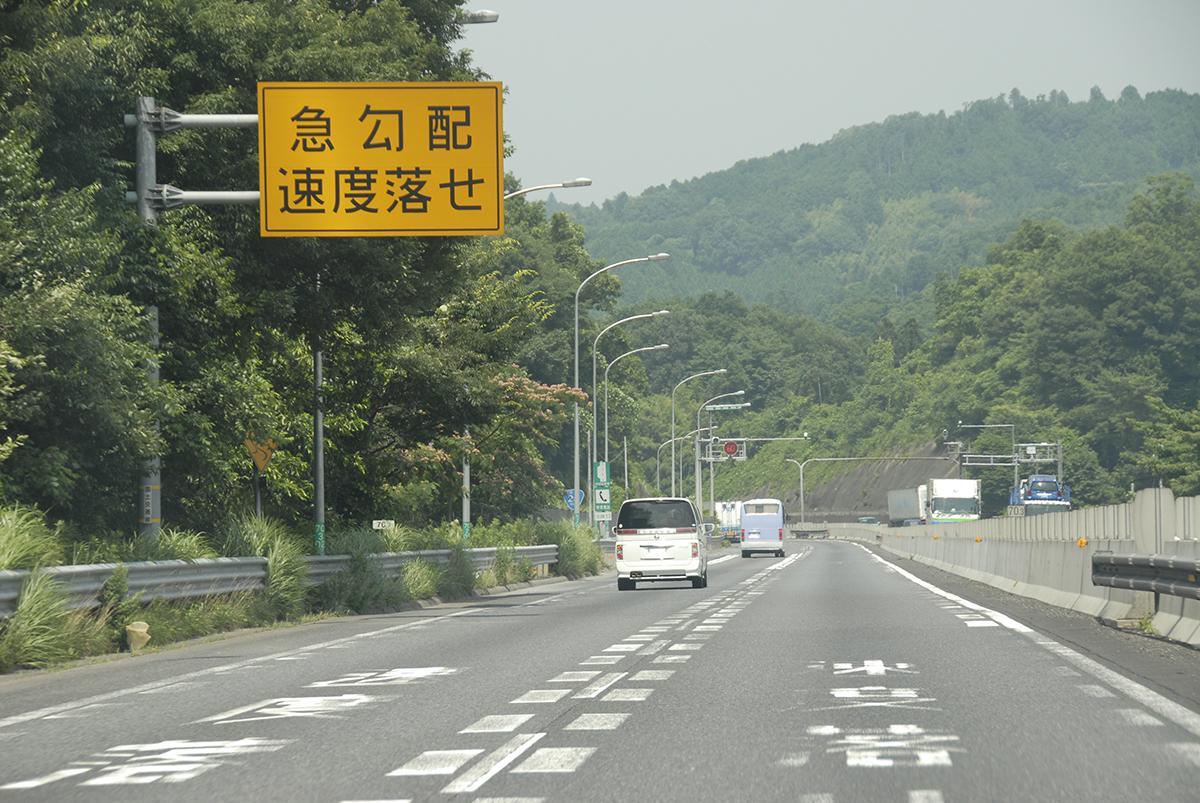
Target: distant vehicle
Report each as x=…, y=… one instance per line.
x=903, y=504
x=868, y=520
x=952, y=500
x=911, y=523
x=729, y=518
x=762, y=527
x=660, y=539
x=1038, y=494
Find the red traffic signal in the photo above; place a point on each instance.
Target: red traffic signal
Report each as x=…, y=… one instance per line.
x=731, y=448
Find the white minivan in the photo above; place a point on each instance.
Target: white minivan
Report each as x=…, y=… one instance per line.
x=659, y=539
x=762, y=527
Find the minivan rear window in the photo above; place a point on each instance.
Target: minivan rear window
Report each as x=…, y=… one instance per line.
x=763, y=507
x=653, y=515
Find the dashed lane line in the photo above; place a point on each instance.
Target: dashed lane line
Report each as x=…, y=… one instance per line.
x=483, y=770
x=1168, y=709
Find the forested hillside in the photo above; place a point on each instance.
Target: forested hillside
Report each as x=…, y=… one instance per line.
x=1088, y=338
x=847, y=229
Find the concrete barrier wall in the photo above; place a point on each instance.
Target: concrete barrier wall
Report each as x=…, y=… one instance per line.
x=1049, y=557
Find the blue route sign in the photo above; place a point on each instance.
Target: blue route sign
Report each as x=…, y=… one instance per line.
x=573, y=500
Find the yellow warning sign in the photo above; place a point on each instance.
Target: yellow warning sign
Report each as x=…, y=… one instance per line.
x=380, y=159
x=260, y=453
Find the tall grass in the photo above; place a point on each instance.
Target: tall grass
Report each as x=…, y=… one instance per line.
x=44, y=631
x=254, y=536
x=25, y=540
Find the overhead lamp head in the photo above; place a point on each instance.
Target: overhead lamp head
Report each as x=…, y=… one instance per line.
x=479, y=16
x=661, y=346
x=659, y=256
x=661, y=312
x=578, y=182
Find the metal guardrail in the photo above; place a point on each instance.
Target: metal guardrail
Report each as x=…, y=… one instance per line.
x=1164, y=574
x=179, y=579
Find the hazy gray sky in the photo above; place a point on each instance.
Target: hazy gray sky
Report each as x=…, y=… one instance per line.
x=633, y=93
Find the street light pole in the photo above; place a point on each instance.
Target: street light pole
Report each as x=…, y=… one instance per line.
x=699, y=475
x=659, y=347
x=654, y=257
x=575, y=182
x=678, y=385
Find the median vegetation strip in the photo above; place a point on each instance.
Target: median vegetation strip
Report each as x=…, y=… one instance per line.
x=44, y=630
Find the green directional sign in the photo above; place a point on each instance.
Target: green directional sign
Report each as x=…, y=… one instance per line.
x=602, y=499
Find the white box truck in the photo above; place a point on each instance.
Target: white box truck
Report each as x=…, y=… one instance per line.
x=951, y=500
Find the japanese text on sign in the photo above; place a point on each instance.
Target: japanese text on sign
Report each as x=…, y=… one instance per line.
x=388, y=159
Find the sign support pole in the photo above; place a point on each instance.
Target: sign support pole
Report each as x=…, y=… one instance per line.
x=318, y=435
x=145, y=177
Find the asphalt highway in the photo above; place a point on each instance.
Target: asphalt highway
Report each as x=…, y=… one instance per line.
x=832, y=674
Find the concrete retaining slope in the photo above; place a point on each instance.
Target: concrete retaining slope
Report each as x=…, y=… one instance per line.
x=1049, y=557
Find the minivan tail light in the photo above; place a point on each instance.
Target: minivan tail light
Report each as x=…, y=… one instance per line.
x=780, y=533
x=743, y=535
x=620, y=551
x=685, y=530
x=695, y=550
x=626, y=532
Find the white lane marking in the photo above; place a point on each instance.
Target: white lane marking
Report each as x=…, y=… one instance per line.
x=924, y=796
x=33, y=783
x=969, y=616
x=594, y=689
x=597, y=660
x=817, y=797
x=555, y=759
x=652, y=674
x=654, y=647
x=1183, y=717
x=709, y=628
x=626, y=695
x=873, y=666
x=580, y=676
x=697, y=637
x=654, y=629
x=435, y=762
x=622, y=648
x=1139, y=718
x=597, y=722
x=246, y=664
x=996, y=616
x=1188, y=751
x=293, y=708
x=493, y=762
x=983, y=623
x=509, y=800
x=88, y=710
x=497, y=723
x=721, y=559
x=387, y=800
x=671, y=659
x=392, y=677
x=1066, y=672
x=1092, y=690
x=794, y=760
x=542, y=696
x=684, y=647
x=640, y=637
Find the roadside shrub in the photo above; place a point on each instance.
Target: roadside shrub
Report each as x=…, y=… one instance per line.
x=578, y=554
x=25, y=540
x=420, y=579
x=42, y=631
x=172, y=621
x=524, y=571
x=362, y=588
x=458, y=578
x=504, y=566
x=117, y=609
